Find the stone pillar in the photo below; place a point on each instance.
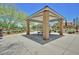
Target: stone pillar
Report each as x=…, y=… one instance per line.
x=61, y=26
x=45, y=25
x=28, y=27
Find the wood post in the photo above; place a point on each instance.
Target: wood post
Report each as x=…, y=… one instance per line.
x=28, y=27
x=61, y=26
x=45, y=25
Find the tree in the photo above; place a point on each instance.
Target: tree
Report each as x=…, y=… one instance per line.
x=65, y=23
x=10, y=17
x=77, y=24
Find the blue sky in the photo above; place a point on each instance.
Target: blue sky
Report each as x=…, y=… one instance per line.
x=69, y=11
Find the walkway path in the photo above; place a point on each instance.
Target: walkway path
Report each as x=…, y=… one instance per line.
x=20, y=45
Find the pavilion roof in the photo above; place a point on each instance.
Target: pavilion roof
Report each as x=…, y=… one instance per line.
x=38, y=16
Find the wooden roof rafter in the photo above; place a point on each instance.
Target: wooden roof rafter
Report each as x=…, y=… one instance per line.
x=33, y=20
x=52, y=13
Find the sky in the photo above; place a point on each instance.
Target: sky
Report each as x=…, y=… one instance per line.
x=69, y=11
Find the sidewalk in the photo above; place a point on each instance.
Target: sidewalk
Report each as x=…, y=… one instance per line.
x=19, y=45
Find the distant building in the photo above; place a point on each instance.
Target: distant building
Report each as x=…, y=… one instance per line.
x=68, y=24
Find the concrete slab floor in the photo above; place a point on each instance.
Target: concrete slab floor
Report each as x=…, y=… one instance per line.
x=19, y=45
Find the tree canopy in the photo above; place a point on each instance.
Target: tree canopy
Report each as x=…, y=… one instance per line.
x=11, y=17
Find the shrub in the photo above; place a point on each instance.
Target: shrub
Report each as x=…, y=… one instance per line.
x=71, y=30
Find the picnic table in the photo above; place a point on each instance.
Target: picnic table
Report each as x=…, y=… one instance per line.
x=41, y=32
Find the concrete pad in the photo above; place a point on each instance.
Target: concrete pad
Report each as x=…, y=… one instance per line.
x=20, y=45
x=75, y=44
x=55, y=50
x=70, y=53
x=35, y=48
x=63, y=42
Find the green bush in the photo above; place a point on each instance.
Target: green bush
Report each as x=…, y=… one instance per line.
x=71, y=30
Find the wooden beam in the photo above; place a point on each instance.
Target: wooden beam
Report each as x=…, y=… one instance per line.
x=33, y=20
x=52, y=15
x=28, y=27
x=45, y=25
x=61, y=26
x=57, y=14
x=37, y=16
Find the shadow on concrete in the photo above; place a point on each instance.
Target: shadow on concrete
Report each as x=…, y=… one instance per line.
x=39, y=38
